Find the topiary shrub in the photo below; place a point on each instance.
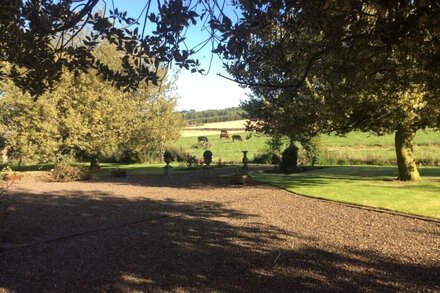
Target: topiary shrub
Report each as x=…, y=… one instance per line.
x=289, y=159
x=63, y=172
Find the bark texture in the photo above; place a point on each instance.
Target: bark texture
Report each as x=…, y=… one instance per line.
x=405, y=158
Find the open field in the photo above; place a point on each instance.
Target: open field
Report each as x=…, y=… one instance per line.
x=368, y=186
x=236, y=126
x=225, y=149
x=198, y=234
x=355, y=148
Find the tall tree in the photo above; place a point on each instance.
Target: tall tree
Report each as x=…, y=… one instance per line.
x=88, y=115
x=322, y=66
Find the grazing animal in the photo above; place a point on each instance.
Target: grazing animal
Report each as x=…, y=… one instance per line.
x=202, y=139
x=236, y=137
x=224, y=134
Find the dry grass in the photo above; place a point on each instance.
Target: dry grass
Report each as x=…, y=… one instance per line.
x=236, y=126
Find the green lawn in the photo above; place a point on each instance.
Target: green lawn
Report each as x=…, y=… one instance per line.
x=367, y=186
x=225, y=149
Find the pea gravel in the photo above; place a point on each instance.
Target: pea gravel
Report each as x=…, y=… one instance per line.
x=190, y=233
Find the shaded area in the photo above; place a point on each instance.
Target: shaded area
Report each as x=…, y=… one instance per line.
x=185, y=245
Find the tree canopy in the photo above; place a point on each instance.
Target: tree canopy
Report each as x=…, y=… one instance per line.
x=88, y=117
x=323, y=66
x=314, y=66
x=37, y=38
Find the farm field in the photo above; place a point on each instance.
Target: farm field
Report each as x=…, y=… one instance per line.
x=236, y=126
x=355, y=148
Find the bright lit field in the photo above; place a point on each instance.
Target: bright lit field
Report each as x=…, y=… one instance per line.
x=367, y=186
x=356, y=148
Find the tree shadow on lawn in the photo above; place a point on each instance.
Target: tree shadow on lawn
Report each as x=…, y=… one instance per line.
x=348, y=173
x=125, y=245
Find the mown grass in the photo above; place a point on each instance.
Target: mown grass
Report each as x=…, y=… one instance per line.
x=367, y=186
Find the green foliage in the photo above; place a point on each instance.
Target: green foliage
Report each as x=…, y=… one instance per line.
x=148, y=156
x=40, y=39
x=310, y=150
x=289, y=159
x=64, y=172
x=89, y=117
x=208, y=116
x=178, y=153
x=343, y=73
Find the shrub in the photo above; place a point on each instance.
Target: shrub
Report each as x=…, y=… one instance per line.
x=262, y=158
x=312, y=150
x=289, y=159
x=178, y=154
x=148, y=156
x=63, y=172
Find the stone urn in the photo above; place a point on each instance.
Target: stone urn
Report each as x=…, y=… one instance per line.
x=167, y=157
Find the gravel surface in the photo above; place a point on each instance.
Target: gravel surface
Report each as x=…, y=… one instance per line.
x=191, y=234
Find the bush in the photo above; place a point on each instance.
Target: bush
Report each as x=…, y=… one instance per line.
x=148, y=156
x=262, y=158
x=312, y=150
x=63, y=172
x=179, y=154
x=289, y=159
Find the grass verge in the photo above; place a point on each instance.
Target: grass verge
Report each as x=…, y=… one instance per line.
x=367, y=186
x=138, y=169
x=132, y=169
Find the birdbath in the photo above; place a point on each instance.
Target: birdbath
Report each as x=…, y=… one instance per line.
x=167, y=170
x=245, y=161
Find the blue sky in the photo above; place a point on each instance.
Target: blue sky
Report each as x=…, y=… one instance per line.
x=196, y=91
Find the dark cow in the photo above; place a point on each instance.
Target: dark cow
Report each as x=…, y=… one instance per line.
x=236, y=137
x=224, y=134
x=202, y=139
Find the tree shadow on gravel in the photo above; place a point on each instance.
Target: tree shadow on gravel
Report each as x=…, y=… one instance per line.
x=78, y=242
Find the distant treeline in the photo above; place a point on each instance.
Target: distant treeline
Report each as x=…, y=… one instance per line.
x=193, y=117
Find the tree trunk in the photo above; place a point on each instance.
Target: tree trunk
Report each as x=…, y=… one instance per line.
x=405, y=158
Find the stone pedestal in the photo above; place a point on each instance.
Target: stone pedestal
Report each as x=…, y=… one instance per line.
x=168, y=171
x=245, y=161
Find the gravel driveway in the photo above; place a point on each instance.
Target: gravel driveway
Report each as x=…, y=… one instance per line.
x=193, y=234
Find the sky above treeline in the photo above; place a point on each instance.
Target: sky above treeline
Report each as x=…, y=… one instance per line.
x=195, y=91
